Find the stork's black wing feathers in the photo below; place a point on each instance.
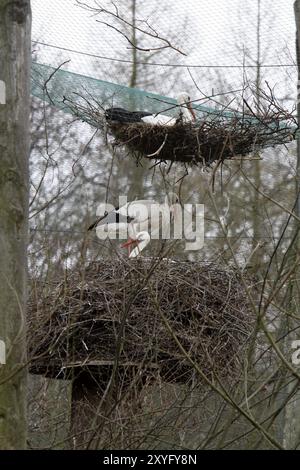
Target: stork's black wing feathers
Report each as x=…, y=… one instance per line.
x=123, y=115
x=114, y=217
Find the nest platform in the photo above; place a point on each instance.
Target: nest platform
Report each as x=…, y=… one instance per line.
x=116, y=310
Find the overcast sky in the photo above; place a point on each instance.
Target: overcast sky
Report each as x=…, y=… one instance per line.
x=217, y=31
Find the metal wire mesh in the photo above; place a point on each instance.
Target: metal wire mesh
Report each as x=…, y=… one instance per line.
x=219, y=38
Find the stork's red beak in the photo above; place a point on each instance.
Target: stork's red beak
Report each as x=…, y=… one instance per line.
x=192, y=111
x=129, y=242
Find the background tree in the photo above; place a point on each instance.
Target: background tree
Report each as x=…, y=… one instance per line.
x=291, y=415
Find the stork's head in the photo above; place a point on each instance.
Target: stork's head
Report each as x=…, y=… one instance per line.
x=142, y=237
x=184, y=100
x=140, y=242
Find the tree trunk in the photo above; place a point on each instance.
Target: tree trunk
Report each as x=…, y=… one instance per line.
x=133, y=77
x=15, y=52
x=291, y=424
x=84, y=419
x=256, y=218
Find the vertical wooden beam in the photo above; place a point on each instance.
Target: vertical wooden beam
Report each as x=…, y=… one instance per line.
x=15, y=53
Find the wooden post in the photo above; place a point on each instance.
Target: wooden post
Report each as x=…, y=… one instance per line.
x=15, y=53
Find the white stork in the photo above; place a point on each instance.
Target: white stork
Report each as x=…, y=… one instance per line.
x=134, y=219
x=186, y=114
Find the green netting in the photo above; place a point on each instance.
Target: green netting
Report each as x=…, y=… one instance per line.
x=76, y=87
x=60, y=88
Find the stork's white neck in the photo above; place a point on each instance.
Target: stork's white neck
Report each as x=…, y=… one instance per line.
x=142, y=244
x=186, y=114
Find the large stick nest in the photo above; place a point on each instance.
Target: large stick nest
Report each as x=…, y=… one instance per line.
x=123, y=311
x=203, y=145
x=215, y=137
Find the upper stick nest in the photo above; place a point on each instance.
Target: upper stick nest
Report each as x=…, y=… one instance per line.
x=203, y=145
x=219, y=136
x=133, y=314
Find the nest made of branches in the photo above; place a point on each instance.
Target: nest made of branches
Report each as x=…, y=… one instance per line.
x=135, y=313
x=216, y=137
x=198, y=145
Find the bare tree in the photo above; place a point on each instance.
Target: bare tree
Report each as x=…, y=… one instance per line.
x=291, y=424
x=15, y=52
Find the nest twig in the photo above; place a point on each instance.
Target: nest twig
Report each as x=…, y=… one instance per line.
x=77, y=324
